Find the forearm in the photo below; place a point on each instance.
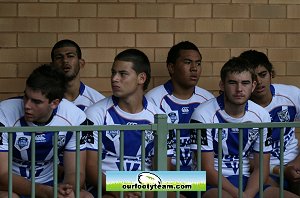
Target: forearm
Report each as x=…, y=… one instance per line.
x=212, y=179
x=22, y=186
x=253, y=185
x=71, y=180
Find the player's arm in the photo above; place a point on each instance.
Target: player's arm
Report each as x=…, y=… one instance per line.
x=70, y=168
x=92, y=169
x=253, y=186
x=207, y=164
x=291, y=170
x=21, y=185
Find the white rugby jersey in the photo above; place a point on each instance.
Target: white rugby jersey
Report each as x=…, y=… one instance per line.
x=107, y=112
x=87, y=96
x=66, y=114
x=179, y=111
x=284, y=107
x=213, y=112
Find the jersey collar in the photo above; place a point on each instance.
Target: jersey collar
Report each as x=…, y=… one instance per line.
x=220, y=100
x=81, y=88
x=169, y=87
x=116, y=101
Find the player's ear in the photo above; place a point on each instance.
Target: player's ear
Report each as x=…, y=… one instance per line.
x=142, y=77
x=81, y=63
x=171, y=68
x=254, y=83
x=54, y=103
x=221, y=85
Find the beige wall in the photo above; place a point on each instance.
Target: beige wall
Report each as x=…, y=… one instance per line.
x=220, y=28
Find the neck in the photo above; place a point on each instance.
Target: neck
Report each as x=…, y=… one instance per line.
x=182, y=92
x=132, y=104
x=72, y=91
x=262, y=100
x=235, y=111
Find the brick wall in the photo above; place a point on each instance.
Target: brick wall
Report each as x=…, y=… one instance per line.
x=220, y=28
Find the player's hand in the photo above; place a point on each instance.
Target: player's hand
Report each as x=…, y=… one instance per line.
x=292, y=173
x=65, y=191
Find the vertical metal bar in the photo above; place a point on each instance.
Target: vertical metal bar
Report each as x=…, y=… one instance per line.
x=143, y=148
x=220, y=154
x=78, y=133
x=33, y=165
x=241, y=133
x=178, y=150
x=198, y=154
x=143, y=152
x=99, y=164
x=261, y=163
x=10, y=157
x=55, y=163
x=161, y=147
x=281, y=172
x=121, y=156
x=178, y=155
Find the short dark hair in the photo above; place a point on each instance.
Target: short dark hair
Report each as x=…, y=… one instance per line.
x=257, y=58
x=140, y=62
x=50, y=81
x=174, y=52
x=237, y=65
x=66, y=43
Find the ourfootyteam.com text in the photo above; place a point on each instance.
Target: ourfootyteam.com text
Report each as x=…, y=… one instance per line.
x=156, y=187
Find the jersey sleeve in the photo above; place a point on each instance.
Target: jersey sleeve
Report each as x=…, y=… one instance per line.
x=267, y=135
x=298, y=104
x=206, y=134
x=95, y=117
x=92, y=139
x=3, y=142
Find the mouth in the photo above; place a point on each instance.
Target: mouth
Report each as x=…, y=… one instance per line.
x=66, y=68
x=194, y=78
x=28, y=115
x=115, y=87
x=238, y=96
x=260, y=89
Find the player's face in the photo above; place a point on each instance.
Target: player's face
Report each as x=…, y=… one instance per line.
x=37, y=107
x=187, y=69
x=66, y=58
x=238, y=87
x=263, y=82
x=125, y=82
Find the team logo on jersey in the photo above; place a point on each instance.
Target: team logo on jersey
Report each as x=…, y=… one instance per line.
x=113, y=135
x=40, y=138
x=173, y=116
x=22, y=142
x=252, y=134
x=61, y=140
x=224, y=134
x=149, y=136
x=284, y=115
x=185, y=110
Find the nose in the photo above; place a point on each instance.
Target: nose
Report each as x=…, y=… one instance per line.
x=27, y=104
x=239, y=87
x=114, y=77
x=193, y=66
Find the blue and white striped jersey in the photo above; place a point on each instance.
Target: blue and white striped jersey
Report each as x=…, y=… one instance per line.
x=213, y=112
x=107, y=112
x=284, y=107
x=66, y=114
x=87, y=96
x=179, y=111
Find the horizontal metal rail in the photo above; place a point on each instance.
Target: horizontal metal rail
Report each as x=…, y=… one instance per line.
x=161, y=129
